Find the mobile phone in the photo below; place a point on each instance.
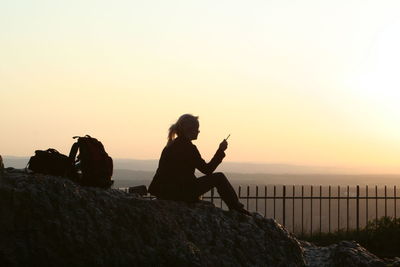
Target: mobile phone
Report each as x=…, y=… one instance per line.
x=227, y=137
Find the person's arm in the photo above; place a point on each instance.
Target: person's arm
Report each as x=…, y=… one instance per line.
x=209, y=168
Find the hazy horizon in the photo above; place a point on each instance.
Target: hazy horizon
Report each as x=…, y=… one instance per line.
x=251, y=168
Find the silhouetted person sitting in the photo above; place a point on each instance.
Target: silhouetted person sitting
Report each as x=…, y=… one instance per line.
x=175, y=178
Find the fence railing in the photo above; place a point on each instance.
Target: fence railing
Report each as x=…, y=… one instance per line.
x=316, y=209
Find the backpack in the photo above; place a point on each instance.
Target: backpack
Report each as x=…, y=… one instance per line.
x=93, y=165
x=50, y=162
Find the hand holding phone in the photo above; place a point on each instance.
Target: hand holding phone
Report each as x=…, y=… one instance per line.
x=224, y=144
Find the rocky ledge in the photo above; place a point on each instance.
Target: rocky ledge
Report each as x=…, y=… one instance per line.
x=50, y=221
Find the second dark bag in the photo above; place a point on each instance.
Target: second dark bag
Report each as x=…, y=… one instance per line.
x=50, y=162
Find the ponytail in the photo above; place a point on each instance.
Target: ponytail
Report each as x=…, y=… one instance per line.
x=172, y=132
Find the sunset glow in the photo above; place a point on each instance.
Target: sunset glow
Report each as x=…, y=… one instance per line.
x=297, y=82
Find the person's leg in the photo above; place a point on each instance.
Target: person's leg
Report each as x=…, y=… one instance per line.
x=224, y=188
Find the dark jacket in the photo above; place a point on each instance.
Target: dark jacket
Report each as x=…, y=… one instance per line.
x=175, y=178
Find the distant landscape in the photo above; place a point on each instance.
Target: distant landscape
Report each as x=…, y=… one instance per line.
x=131, y=172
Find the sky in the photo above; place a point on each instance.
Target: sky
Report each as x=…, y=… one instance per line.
x=306, y=82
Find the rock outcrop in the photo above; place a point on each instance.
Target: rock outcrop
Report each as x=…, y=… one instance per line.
x=50, y=221
x=345, y=253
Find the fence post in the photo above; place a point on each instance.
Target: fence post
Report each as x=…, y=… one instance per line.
x=294, y=192
x=395, y=205
x=284, y=206
x=274, y=201
x=358, y=208
x=212, y=195
x=248, y=193
x=320, y=209
x=376, y=206
x=257, y=198
x=366, y=204
x=311, y=223
x=302, y=210
x=329, y=210
x=385, y=201
x=338, y=209
x=348, y=209
x=265, y=201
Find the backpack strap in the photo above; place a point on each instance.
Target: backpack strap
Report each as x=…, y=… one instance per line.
x=74, y=149
x=52, y=150
x=73, y=152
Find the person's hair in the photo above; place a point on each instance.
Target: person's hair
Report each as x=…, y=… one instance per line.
x=177, y=128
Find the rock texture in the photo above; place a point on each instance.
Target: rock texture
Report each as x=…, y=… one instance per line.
x=50, y=221
x=344, y=253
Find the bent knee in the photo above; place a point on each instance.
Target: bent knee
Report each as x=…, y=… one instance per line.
x=220, y=176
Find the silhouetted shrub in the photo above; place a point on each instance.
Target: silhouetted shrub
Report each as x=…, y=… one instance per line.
x=381, y=237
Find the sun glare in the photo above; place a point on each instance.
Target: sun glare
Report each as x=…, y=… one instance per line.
x=377, y=84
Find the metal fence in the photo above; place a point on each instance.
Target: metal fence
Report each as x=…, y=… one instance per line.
x=315, y=209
